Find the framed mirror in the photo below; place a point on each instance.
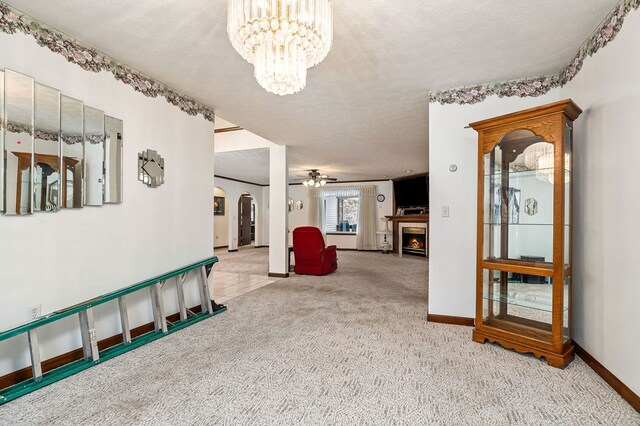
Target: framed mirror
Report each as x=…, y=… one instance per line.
x=72, y=151
x=18, y=143
x=113, y=160
x=93, y=156
x=47, y=164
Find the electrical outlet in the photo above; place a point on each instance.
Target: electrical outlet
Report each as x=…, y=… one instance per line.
x=445, y=211
x=34, y=311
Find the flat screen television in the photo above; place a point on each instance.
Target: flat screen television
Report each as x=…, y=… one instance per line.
x=412, y=192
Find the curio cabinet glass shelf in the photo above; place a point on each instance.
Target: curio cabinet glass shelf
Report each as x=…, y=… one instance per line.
x=523, y=290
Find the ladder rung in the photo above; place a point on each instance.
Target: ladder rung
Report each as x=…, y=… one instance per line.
x=180, y=290
x=205, y=294
x=34, y=351
x=159, y=317
x=88, y=333
x=124, y=320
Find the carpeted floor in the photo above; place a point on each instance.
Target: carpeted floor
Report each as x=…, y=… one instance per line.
x=350, y=348
x=247, y=260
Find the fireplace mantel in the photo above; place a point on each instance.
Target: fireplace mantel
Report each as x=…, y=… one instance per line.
x=413, y=218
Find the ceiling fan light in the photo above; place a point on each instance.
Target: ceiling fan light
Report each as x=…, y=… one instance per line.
x=323, y=182
x=317, y=185
x=305, y=183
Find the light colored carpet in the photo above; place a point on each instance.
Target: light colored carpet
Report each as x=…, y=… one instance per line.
x=350, y=348
x=247, y=260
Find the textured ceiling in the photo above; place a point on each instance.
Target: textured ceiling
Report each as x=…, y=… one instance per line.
x=251, y=165
x=364, y=111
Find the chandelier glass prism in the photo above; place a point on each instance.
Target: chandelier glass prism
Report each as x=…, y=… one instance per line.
x=540, y=157
x=281, y=38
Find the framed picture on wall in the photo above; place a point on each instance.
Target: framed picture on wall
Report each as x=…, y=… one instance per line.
x=218, y=206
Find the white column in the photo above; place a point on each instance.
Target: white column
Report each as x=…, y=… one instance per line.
x=278, y=211
x=265, y=215
x=232, y=212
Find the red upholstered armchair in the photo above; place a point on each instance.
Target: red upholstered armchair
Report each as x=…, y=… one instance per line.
x=312, y=257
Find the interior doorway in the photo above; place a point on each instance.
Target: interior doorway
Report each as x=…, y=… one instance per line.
x=246, y=220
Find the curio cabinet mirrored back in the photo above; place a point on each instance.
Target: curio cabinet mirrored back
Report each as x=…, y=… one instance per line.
x=523, y=292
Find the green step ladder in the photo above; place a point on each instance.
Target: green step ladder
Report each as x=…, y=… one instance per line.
x=84, y=310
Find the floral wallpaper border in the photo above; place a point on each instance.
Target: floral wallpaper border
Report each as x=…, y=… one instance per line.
x=48, y=135
x=89, y=59
x=12, y=21
x=537, y=86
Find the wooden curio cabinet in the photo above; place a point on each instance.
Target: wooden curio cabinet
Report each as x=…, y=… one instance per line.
x=523, y=289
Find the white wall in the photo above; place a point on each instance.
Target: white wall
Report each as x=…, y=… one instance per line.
x=264, y=214
x=606, y=205
x=221, y=222
x=301, y=217
x=240, y=140
x=452, y=257
x=606, y=232
x=59, y=259
x=233, y=191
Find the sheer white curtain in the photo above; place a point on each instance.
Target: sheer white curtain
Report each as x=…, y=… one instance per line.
x=366, y=236
x=367, y=239
x=316, y=208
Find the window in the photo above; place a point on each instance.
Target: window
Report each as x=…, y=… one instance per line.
x=341, y=214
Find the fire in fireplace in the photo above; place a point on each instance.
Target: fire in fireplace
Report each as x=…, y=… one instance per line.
x=414, y=241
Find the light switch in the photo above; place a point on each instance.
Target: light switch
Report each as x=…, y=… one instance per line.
x=445, y=211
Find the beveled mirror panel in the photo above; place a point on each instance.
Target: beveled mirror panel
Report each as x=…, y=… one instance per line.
x=113, y=160
x=47, y=164
x=18, y=142
x=93, y=156
x=151, y=168
x=72, y=133
x=55, y=151
x=2, y=141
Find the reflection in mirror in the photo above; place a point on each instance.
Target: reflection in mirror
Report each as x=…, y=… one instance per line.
x=113, y=160
x=151, y=168
x=93, y=156
x=71, y=128
x=18, y=139
x=2, y=141
x=46, y=181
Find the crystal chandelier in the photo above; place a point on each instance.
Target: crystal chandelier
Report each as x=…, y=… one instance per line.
x=281, y=38
x=540, y=157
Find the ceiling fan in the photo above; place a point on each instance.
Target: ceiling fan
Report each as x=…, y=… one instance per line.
x=315, y=179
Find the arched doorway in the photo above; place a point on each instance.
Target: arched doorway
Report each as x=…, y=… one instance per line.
x=246, y=220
